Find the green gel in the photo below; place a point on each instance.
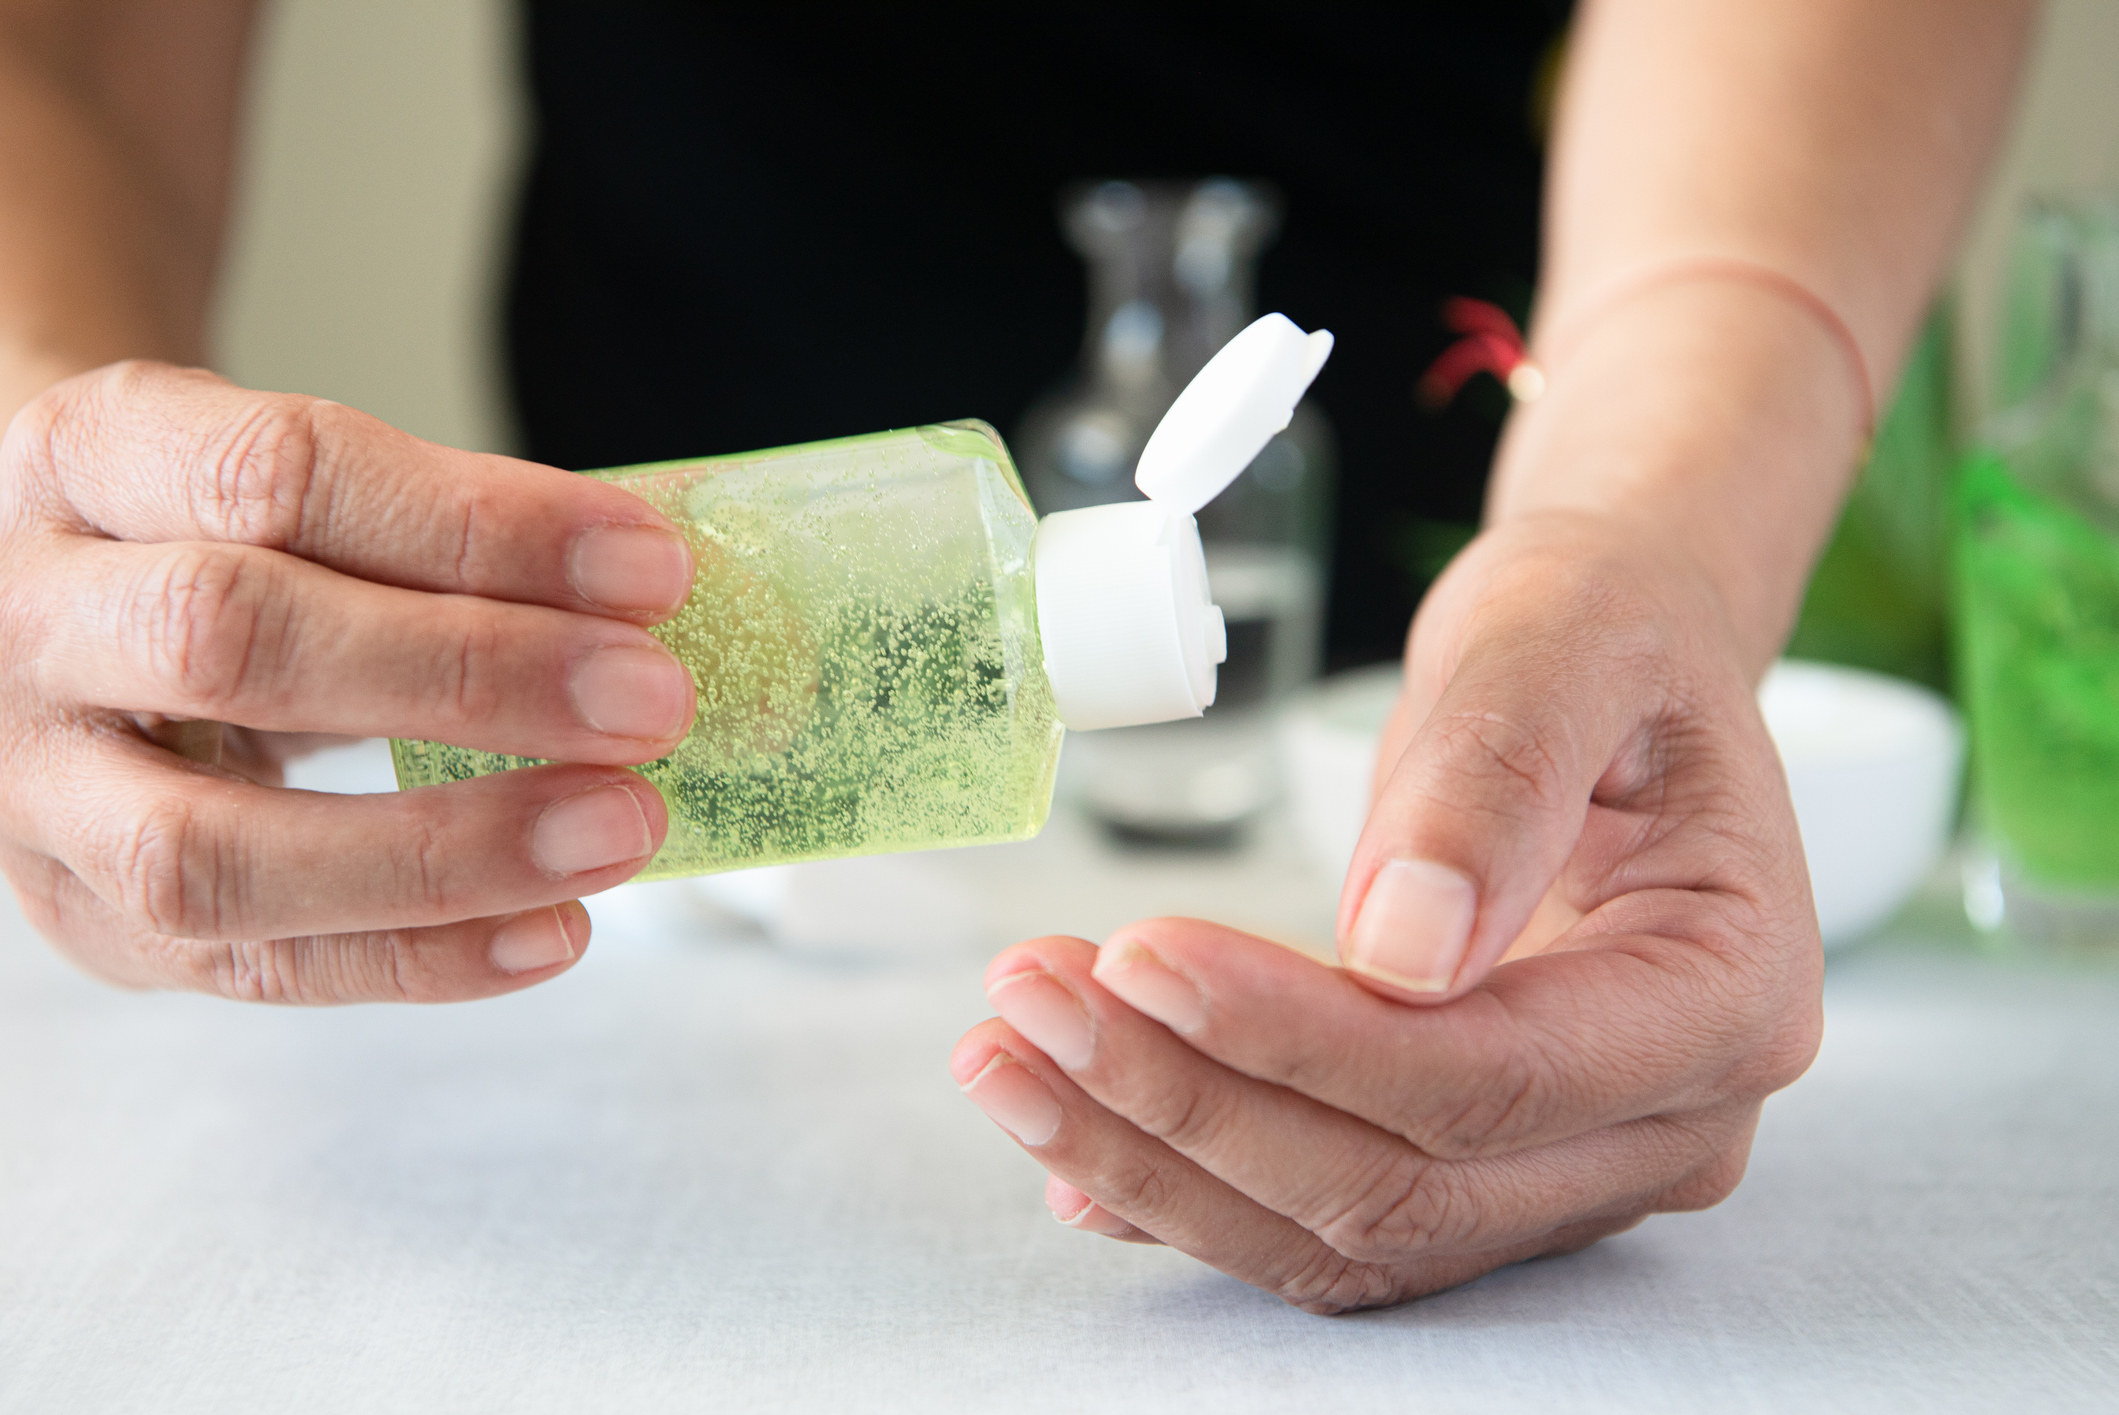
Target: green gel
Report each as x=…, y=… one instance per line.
x=863, y=635
x=2038, y=643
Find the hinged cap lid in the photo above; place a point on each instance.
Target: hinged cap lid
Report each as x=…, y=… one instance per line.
x=1128, y=622
x=1229, y=411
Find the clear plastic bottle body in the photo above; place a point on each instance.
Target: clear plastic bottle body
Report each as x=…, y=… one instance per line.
x=863, y=635
x=1171, y=270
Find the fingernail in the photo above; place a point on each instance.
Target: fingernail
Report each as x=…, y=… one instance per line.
x=1015, y=1100
x=598, y=827
x=1413, y=925
x=1049, y=1016
x=527, y=942
x=631, y=568
x=1147, y=984
x=632, y=692
x=1066, y=1202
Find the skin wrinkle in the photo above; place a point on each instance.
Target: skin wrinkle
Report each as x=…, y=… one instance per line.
x=201, y=624
x=263, y=464
x=1147, y=1189
x=429, y=849
x=459, y=683
x=1712, y=1055
x=467, y=543
x=1488, y=1122
x=1331, y=1283
x=392, y=951
x=1196, y=1117
x=1668, y=958
x=1532, y=1036
x=299, y=537
x=1506, y=744
x=1427, y=1133
x=246, y=973
x=1421, y=1209
x=289, y=648
x=148, y=871
x=255, y=608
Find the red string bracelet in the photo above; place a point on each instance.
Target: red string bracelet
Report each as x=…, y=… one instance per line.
x=1749, y=272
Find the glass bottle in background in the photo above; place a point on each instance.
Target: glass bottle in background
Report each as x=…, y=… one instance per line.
x=2037, y=592
x=1172, y=269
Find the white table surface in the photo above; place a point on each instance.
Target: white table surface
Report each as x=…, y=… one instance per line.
x=705, y=1172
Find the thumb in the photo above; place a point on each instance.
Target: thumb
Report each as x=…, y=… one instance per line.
x=1476, y=820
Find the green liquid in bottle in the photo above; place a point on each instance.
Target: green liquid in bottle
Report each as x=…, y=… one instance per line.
x=863, y=636
x=2038, y=639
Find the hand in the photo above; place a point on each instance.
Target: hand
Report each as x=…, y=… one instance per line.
x=1578, y=779
x=176, y=553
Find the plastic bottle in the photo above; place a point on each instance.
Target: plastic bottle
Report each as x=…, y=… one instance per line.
x=887, y=643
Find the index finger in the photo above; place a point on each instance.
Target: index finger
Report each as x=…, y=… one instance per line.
x=1625, y=1023
x=146, y=452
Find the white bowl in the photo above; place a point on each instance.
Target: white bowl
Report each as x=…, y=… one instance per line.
x=1328, y=739
x=1872, y=762
x=1873, y=765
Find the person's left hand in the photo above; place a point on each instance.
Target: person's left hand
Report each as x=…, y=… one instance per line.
x=1580, y=951
x=1307, y=1185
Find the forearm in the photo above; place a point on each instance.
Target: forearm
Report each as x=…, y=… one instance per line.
x=1836, y=142
x=116, y=125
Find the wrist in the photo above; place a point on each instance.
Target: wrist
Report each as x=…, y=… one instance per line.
x=1712, y=423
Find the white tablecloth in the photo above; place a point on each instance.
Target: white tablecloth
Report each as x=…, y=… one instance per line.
x=703, y=1172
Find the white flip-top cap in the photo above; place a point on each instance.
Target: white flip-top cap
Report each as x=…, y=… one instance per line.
x=1130, y=630
x=1229, y=411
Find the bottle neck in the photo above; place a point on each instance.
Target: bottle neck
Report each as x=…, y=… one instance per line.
x=1172, y=274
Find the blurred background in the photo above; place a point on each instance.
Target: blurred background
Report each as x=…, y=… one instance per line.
x=386, y=138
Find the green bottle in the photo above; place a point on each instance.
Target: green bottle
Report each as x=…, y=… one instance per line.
x=2036, y=571
x=887, y=643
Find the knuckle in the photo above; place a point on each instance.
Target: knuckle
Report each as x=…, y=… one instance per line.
x=260, y=469
x=307, y=972
x=464, y=679
x=423, y=872
x=1329, y=1283
x=201, y=623
x=38, y=428
x=1793, y=1047
x=1777, y=1050
x=1186, y=1116
x=164, y=872
x=1709, y=1185
x=1146, y=1188
x=243, y=971
x=1409, y=1206
x=471, y=539
x=60, y=421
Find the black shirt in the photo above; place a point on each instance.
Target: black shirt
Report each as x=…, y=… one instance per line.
x=754, y=224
